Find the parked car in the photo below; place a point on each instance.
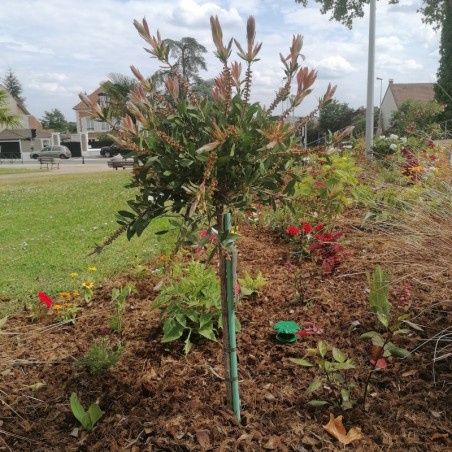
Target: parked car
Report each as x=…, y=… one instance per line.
x=52, y=151
x=113, y=149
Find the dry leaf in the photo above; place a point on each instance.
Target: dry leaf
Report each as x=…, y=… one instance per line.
x=336, y=429
x=203, y=438
x=439, y=436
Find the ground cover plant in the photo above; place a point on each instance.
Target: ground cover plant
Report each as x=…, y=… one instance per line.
x=323, y=390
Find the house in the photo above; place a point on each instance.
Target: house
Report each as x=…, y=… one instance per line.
x=84, y=120
x=29, y=134
x=397, y=93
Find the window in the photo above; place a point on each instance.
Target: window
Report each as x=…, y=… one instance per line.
x=89, y=124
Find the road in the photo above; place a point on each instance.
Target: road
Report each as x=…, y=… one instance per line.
x=70, y=166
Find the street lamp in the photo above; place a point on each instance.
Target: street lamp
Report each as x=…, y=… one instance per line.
x=380, y=125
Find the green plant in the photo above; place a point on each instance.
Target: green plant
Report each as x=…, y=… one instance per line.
x=89, y=418
x=382, y=347
x=333, y=376
x=118, y=301
x=250, y=285
x=100, y=357
x=190, y=303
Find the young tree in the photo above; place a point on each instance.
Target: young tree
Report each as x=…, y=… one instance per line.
x=443, y=89
x=197, y=160
x=55, y=120
x=13, y=85
x=7, y=118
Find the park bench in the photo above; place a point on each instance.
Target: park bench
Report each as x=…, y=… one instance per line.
x=48, y=162
x=120, y=164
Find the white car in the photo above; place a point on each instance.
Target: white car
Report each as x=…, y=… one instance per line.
x=52, y=151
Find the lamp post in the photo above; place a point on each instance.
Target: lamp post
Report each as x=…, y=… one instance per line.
x=380, y=125
x=370, y=81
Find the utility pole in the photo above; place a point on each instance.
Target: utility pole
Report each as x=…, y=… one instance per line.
x=380, y=125
x=370, y=81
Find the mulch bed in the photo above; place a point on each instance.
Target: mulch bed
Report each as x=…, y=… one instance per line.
x=158, y=399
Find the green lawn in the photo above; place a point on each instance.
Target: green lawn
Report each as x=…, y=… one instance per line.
x=48, y=225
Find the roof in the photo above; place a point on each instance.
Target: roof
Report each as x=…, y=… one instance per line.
x=15, y=134
x=423, y=92
x=93, y=97
x=34, y=123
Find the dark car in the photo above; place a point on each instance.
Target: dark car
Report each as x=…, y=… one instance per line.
x=113, y=149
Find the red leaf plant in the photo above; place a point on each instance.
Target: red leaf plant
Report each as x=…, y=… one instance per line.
x=44, y=298
x=327, y=251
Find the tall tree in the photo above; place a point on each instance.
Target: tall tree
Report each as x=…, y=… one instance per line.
x=55, y=120
x=7, y=118
x=13, y=85
x=117, y=88
x=335, y=116
x=189, y=57
x=443, y=89
x=345, y=11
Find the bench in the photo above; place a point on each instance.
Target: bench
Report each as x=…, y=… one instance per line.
x=48, y=162
x=120, y=164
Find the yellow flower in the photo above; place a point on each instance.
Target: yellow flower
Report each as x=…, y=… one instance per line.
x=67, y=305
x=88, y=284
x=65, y=295
x=92, y=269
x=75, y=294
x=163, y=258
x=234, y=230
x=57, y=307
x=73, y=274
x=416, y=168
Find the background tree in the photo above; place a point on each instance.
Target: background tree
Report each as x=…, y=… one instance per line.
x=55, y=120
x=7, y=118
x=13, y=85
x=335, y=116
x=117, y=88
x=345, y=11
x=443, y=90
x=414, y=117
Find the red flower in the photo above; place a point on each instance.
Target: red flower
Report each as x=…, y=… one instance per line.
x=293, y=231
x=44, y=298
x=319, y=227
x=306, y=228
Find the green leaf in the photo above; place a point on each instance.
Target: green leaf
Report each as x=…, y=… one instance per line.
x=345, y=394
x=94, y=413
x=399, y=352
x=161, y=232
x=314, y=386
x=207, y=332
x=415, y=326
x=323, y=348
x=77, y=409
x=301, y=362
x=369, y=335
x=172, y=330
x=402, y=331
x=383, y=319
x=188, y=344
x=338, y=355
x=317, y=403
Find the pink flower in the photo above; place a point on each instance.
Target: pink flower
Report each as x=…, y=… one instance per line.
x=293, y=231
x=306, y=228
x=44, y=298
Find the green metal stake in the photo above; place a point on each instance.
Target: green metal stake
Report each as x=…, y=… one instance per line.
x=230, y=269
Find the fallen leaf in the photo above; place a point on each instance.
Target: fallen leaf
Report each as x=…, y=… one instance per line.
x=409, y=373
x=203, y=438
x=336, y=429
x=436, y=414
x=440, y=435
x=37, y=386
x=74, y=432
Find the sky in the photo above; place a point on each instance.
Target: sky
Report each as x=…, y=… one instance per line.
x=59, y=48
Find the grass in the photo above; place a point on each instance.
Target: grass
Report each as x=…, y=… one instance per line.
x=18, y=170
x=48, y=226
